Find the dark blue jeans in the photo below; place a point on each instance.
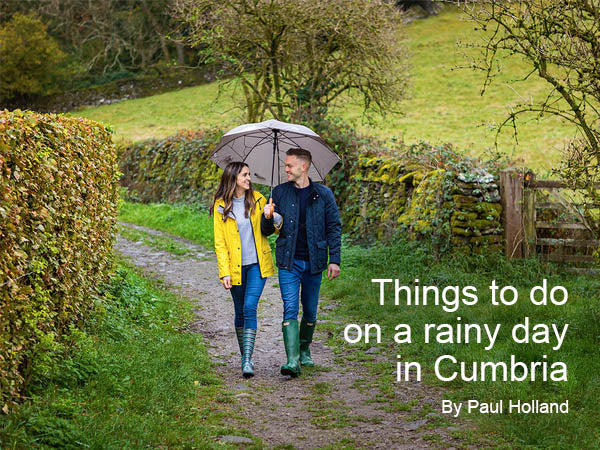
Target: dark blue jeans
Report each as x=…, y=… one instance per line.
x=246, y=296
x=290, y=282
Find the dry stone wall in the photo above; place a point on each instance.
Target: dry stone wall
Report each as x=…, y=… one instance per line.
x=429, y=192
x=460, y=208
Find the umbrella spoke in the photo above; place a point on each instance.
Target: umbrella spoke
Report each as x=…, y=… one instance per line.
x=260, y=142
x=229, y=145
x=263, y=147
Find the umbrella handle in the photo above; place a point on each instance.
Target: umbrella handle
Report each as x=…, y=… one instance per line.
x=270, y=203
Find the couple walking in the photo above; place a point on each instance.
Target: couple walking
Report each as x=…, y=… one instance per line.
x=305, y=216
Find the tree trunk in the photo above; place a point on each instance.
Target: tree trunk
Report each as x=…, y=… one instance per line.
x=161, y=37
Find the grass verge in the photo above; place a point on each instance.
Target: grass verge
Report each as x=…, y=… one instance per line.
x=158, y=242
x=190, y=222
x=357, y=300
x=133, y=378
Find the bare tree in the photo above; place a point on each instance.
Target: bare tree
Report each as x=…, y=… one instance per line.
x=560, y=39
x=291, y=55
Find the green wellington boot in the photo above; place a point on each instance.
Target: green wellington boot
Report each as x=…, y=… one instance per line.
x=292, y=349
x=306, y=334
x=247, y=363
x=239, y=332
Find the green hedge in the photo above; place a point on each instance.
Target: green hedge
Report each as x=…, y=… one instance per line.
x=58, y=212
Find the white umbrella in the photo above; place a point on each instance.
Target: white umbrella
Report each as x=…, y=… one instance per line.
x=263, y=147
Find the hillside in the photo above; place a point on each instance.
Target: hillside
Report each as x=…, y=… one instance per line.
x=444, y=104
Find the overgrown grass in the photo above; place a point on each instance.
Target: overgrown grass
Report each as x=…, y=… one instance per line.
x=134, y=378
x=358, y=302
x=444, y=104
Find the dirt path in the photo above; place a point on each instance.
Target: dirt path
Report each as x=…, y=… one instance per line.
x=338, y=403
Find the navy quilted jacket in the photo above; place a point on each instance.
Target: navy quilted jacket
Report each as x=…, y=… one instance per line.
x=323, y=226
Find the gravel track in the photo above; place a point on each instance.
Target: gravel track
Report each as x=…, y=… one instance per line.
x=324, y=407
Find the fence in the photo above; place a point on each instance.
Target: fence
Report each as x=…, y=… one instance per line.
x=539, y=220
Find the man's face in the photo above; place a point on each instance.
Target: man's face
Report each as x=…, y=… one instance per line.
x=294, y=167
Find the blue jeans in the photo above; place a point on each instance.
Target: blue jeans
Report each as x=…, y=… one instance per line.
x=246, y=296
x=290, y=282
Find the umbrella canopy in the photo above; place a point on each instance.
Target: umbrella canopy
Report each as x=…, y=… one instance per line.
x=263, y=147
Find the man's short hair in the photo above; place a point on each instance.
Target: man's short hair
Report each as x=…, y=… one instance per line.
x=300, y=153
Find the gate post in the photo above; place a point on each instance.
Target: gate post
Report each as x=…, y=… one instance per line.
x=529, y=248
x=511, y=192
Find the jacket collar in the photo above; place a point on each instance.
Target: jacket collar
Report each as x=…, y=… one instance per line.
x=313, y=195
x=220, y=204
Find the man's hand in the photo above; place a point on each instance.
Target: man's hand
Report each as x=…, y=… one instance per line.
x=226, y=282
x=333, y=271
x=269, y=208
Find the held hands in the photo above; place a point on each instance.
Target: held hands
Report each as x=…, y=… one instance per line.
x=333, y=271
x=226, y=282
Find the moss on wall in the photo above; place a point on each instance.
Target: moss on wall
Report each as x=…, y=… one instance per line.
x=431, y=192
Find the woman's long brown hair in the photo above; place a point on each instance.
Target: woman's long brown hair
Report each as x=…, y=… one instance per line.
x=226, y=190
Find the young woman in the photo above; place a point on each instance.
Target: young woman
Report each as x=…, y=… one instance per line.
x=243, y=252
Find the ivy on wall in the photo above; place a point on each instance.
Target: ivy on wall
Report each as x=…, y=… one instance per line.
x=174, y=169
x=427, y=191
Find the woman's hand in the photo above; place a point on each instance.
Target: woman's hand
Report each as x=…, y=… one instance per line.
x=226, y=282
x=269, y=208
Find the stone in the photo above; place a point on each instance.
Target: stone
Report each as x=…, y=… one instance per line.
x=412, y=426
x=462, y=215
x=476, y=176
x=483, y=208
x=493, y=196
x=243, y=395
x=473, y=186
x=488, y=239
x=478, y=224
x=462, y=231
x=464, y=200
x=235, y=439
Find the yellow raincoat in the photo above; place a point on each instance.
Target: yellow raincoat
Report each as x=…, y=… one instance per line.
x=228, y=245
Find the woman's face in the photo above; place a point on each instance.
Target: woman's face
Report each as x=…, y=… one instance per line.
x=243, y=179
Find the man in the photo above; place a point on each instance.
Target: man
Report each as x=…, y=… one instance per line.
x=309, y=226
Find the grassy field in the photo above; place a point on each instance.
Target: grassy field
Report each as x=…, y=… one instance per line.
x=444, y=103
x=134, y=378
x=357, y=300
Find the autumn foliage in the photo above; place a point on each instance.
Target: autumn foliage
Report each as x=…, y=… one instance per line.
x=58, y=211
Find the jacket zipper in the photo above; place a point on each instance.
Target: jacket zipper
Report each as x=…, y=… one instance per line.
x=253, y=239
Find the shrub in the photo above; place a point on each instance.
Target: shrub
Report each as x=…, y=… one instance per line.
x=431, y=192
x=31, y=59
x=58, y=210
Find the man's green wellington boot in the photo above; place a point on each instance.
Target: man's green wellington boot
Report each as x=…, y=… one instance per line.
x=247, y=363
x=292, y=349
x=306, y=334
